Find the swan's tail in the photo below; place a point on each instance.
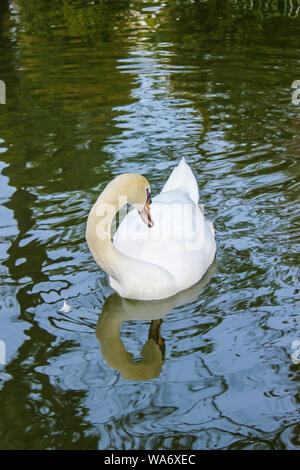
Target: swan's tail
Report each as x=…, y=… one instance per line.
x=183, y=178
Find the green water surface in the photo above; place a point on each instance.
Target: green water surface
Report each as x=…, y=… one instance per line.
x=98, y=88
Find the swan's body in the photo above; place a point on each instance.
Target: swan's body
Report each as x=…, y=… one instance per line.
x=154, y=263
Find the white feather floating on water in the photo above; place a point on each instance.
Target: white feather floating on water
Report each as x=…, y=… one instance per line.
x=65, y=308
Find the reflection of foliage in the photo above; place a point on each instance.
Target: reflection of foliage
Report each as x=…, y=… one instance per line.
x=54, y=418
x=218, y=20
x=61, y=111
x=3, y=14
x=105, y=20
x=97, y=19
x=93, y=21
x=74, y=86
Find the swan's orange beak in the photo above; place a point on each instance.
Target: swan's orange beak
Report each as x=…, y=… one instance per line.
x=145, y=212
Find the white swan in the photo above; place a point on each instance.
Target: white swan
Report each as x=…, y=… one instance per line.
x=149, y=261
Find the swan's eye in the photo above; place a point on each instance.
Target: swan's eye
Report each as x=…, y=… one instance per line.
x=148, y=200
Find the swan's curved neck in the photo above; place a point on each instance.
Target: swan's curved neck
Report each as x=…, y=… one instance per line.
x=98, y=234
x=114, y=351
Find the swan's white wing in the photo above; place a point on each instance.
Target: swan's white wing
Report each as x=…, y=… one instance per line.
x=181, y=241
x=182, y=178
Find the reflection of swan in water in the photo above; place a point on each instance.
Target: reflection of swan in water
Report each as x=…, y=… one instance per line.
x=117, y=310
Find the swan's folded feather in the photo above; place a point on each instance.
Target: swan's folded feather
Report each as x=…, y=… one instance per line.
x=181, y=241
x=182, y=178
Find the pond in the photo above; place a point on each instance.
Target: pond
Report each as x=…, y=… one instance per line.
x=95, y=89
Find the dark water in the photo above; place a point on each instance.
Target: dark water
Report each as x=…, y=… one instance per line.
x=94, y=89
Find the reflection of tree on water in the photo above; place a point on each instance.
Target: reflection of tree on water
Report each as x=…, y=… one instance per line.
x=46, y=127
x=95, y=22
x=52, y=417
x=102, y=21
x=214, y=37
x=3, y=15
x=267, y=7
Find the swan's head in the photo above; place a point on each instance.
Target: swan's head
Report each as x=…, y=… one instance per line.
x=144, y=211
x=137, y=189
x=141, y=199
